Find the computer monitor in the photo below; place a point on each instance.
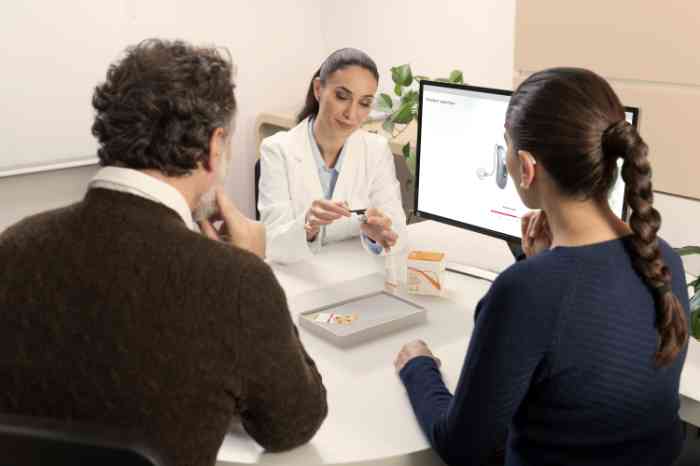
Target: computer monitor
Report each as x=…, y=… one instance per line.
x=461, y=176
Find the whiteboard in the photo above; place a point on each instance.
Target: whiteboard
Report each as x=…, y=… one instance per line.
x=53, y=56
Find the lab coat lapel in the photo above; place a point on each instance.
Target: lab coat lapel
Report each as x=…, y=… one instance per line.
x=305, y=161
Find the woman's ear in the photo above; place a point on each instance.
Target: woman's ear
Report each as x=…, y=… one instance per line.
x=317, y=89
x=528, y=169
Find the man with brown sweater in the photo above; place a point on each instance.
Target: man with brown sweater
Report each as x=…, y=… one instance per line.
x=118, y=311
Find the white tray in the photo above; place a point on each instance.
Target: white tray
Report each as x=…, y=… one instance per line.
x=378, y=313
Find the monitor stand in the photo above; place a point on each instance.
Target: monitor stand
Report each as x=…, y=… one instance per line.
x=516, y=249
x=483, y=274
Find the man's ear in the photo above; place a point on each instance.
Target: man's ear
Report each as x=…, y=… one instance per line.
x=217, y=144
x=317, y=89
x=527, y=168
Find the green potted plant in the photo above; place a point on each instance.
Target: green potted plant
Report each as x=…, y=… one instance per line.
x=400, y=114
x=694, y=323
x=402, y=109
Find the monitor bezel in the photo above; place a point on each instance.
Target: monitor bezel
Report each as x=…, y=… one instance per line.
x=456, y=223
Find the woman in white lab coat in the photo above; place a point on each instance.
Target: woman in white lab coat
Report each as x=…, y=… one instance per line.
x=313, y=175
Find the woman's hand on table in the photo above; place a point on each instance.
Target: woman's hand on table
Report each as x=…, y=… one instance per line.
x=413, y=350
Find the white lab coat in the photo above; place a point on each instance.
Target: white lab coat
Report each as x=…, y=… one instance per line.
x=289, y=183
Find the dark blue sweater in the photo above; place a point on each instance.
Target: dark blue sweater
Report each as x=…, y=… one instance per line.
x=562, y=356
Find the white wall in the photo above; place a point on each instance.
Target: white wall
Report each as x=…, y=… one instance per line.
x=435, y=37
x=276, y=46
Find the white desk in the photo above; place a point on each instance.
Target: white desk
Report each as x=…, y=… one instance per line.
x=370, y=420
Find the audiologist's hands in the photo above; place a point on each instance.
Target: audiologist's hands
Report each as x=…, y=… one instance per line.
x=537, y=236
x=236, y=229
x=323, y=212
x=378, y=228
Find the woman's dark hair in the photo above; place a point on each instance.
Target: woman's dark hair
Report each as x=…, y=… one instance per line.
x=336, y=61
x=574, y=124
x=160, y=104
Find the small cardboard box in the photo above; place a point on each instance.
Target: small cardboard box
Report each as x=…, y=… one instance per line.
x=426, y=273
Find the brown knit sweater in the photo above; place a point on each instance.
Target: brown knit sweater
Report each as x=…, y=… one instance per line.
x=113, y=312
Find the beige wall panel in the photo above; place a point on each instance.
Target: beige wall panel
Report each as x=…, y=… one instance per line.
x=648, y=50
x=645, y=40
x=669, y=123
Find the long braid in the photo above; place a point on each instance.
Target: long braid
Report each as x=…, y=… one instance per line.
x=622, y=139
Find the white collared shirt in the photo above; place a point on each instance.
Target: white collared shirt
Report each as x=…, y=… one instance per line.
x=328, y=176
x=134, y=182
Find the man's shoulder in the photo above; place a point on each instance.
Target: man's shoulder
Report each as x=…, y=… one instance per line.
x=240, y=275
x=226, y=260
x=43, y=224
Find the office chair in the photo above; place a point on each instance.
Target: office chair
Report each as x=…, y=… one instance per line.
x=403, y=175
x=31, y=441
x=257, y=188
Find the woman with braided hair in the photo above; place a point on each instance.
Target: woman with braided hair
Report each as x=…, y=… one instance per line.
x=577, y=350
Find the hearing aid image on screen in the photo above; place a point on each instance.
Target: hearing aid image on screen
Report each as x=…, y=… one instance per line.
x=498, y=170
x=461, y=172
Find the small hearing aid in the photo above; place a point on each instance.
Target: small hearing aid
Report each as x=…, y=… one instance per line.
x=361, y=213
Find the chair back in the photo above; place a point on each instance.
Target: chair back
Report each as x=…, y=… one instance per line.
x=30, y=441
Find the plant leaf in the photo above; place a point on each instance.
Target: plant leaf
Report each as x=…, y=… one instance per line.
x=443, y=80
x=456, y=77
x=695, y=301
x=402, y=75
x=687, y=250
x=403, y=115
x=695, y=324
x=411, y=162
x=384, y=103
x=398, y=90
x=410, y=97
x=406, y=150
x=388, y=125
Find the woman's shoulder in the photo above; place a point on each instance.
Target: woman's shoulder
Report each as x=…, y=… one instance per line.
x=282, y=139
x=561, y=262
x=545, y=268
x=671, y=257
x=374, y=147
x=528, y=291
x=667, y=250
x=372, y=140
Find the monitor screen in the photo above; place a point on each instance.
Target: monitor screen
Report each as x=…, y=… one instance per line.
x=461, y=176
